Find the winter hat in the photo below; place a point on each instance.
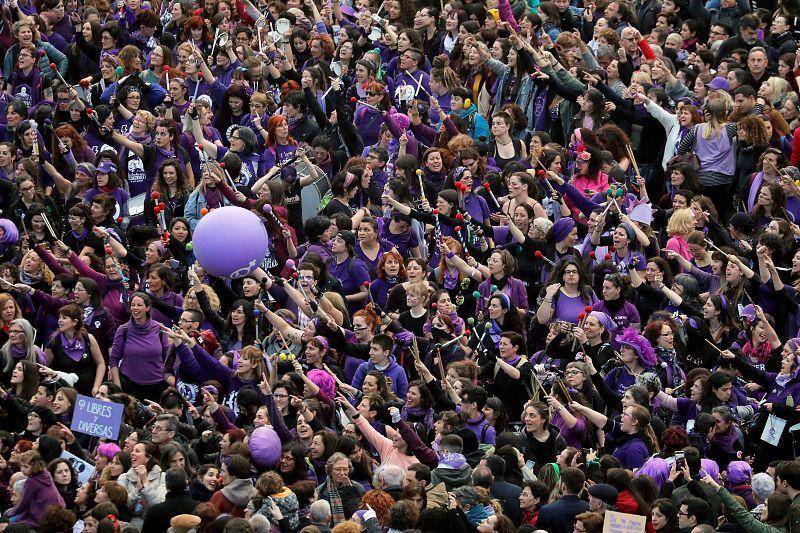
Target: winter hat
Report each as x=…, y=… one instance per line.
x=184, y=523
x=742, y=222
x=562, y=228
x=631, y=338
x=604, y=492
x=606, y=321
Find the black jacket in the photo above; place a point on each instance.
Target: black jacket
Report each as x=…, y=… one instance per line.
x=158, y=516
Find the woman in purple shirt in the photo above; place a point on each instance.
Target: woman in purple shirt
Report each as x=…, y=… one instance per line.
x=369, y=247
x=139, y=351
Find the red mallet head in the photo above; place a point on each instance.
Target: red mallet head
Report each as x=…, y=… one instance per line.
x=157, y=209
x=295, y=274
x=53, y=67
x=487, y=185
x=89, y=110
x=165, y=236
x=457, y=228
x=588, y=309
x=581, y=316
x=354, y=99
x=542, y=173
x=108, y=250
x=467, y=332
x=607, y=257
x=204, y=211
x=434, y=305
x=435, y=211
x=459, y=216
x=222, y=164
x=538, y=254
x=85, y=83
x=155, y=195
x=200, y=74
x=200, y=147
x=119, y=220
x=166, y=68
x=366, y=284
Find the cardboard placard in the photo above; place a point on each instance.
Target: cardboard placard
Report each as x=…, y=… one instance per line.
x=616, y=522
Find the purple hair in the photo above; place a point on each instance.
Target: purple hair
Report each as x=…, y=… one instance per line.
x=324, y=381
x=657, y=468
x=108, y=450
x=739, y=473
x=711, y=468
x=11, y=235
x=630, y=337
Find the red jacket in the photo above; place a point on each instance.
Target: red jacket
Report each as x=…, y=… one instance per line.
x=626, y=503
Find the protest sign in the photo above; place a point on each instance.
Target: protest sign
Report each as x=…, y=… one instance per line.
x=623, y=523
x=83, y=469
x=97, y=418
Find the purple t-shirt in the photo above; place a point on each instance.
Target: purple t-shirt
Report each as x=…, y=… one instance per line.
x=568, y=308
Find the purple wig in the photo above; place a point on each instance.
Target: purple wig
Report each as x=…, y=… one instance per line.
x=739, y=473
x=324, y=381
x=711, y=468
x=657, y=468
x=108, y=450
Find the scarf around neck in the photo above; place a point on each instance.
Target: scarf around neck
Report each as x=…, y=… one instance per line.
x=75, y=348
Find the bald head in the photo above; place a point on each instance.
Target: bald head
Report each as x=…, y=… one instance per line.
x=482, y=476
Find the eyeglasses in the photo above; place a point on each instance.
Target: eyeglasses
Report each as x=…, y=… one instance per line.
x=359, y=328
x=158, y=429
x=280, y=395
x=16, y=332
x=370, y=93
x=235, y=138
x=571, y=272
x=681, y=513
x=573, y=372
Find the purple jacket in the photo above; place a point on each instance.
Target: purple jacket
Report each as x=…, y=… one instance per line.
x=39, y=495
x=394, y=371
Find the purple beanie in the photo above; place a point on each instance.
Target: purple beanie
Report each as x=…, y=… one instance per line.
x=562, y=228
x=108, y=450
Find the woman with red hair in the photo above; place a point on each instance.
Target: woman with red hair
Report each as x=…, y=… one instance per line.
x=196, y=32
x=280, y=145
x=369, y=120
x=69, y=150
x=322, y=50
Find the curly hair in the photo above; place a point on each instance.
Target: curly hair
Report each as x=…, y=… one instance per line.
x=381, y=502
x=401, y=274
x=754, y=131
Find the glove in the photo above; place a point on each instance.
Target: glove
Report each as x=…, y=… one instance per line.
x=404, y=337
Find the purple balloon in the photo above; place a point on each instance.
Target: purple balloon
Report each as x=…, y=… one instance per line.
x=230, y=242
x=265, y=446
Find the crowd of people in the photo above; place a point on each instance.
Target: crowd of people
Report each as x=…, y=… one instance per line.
x=529, y=263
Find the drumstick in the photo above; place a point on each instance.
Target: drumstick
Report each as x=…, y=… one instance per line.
x=415, y=350
x=283, y=341
x=713, y=345
x=714, y=246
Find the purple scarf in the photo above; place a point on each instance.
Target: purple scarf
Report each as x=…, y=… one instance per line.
x=419, y=412
x=75, y=348
x=213, y=198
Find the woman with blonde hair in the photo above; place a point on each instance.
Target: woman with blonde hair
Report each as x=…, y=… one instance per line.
x=774, y=91
x=206, y=195
x=713, y=143
x=679, y=225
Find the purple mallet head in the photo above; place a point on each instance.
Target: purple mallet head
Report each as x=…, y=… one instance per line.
x=290, y=264
x=267, y=208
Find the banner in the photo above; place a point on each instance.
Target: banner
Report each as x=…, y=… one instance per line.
x=97, y=418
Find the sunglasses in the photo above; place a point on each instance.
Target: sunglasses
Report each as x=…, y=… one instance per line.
x=370, y=93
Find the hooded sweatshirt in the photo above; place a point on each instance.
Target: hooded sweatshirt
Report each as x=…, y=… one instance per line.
x=392, y=370
x=39, y=494
x=234, y=496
